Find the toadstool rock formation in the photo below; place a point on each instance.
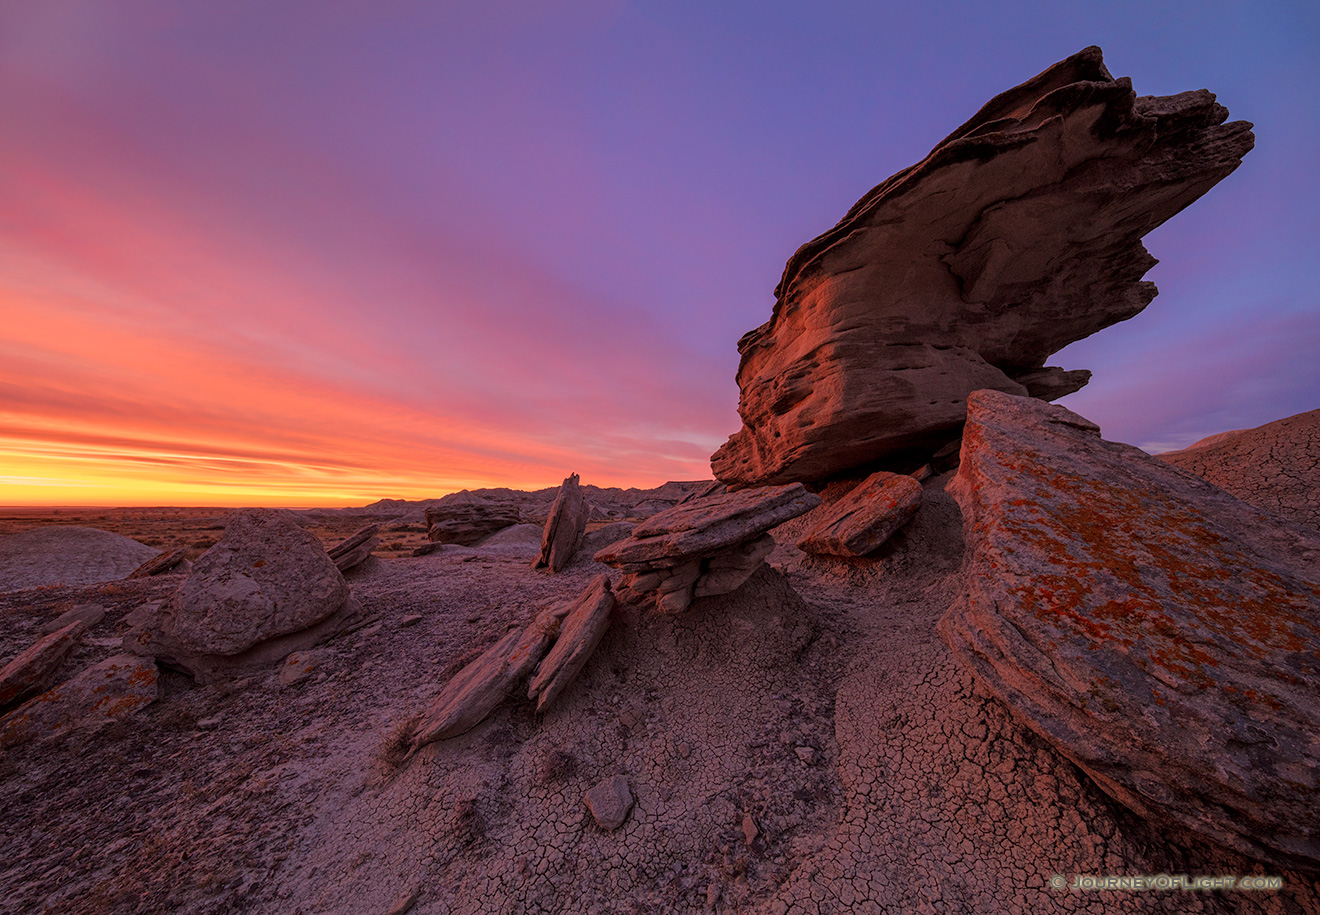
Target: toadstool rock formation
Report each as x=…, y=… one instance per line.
x=1161, y=634
x=703, y=547
x=1019, y=234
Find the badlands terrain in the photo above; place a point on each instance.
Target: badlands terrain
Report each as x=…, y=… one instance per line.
x=927, y=642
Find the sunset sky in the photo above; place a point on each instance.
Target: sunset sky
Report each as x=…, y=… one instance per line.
x=322, y=253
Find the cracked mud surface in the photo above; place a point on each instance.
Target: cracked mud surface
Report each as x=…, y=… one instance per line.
x=875, y=777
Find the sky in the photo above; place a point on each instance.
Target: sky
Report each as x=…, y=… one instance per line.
x=322, y=253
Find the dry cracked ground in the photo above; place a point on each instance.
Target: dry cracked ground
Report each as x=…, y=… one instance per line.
x=806, y=744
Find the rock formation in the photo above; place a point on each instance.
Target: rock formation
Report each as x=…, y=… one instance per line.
x=105, y=692
x=172, y=560
x=865, y=518
x=1017, y=235
x=1161, y=634
x=581, y=631
x=266, y=589
x=1275, y=466
x=355, y=548
x=703, y=547
x=564, y=528
x=33, y=668
x=468, y=523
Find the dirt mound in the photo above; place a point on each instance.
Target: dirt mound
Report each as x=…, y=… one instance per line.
x=67, y=555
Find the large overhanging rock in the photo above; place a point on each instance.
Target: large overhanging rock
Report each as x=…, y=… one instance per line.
x=704, y=546
x=1161, y=634
x=1019, y=234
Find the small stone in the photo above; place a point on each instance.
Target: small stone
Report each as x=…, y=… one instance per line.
x=712, y=894
x=404, y=904
x=806, y=754
x=684, y=751
x=411, y=619
x=609, y=802
x=749, y=828
x=297, y=667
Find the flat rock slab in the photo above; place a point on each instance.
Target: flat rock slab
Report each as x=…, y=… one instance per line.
x=609, y=802
x=578, y=637
x=706, y=526
x=67, y=555
x=172, y=560
x=865, y=518
x=1160, y=633
x=355, y=548
x=1275, y=466
x=1017, y=235
x=109, y=691
x=468, y=523
x=564, y=527
x=33, y=668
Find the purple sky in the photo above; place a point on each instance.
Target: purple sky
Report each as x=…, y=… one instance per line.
x=329, y=252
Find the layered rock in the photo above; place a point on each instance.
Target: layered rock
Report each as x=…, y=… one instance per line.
x=704, y=546
x=468, y=523
x=354, y=549
x=1275, y=466
x=865, y=518
x=34, y=667
x=266, y=589
x=580, y=633
x=172, y=560
x=1017, y=235
x=103, y=693
x=564, y=528
x=1160, y=633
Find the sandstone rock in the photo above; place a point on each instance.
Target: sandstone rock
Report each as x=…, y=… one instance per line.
x=468, y=523
x=595, y=541
x=172, y=560
x=265, y=590
x=33, y=668
x=609, y=802
x=1017, y=235
x=355, y=548
x=1275, y=466
x=1161, y=634
x=478, y=688
x=88, y=614
x=578, y=637
x=298, y=667
x=865, y=518
x=703, y=547
x=564, y=528
x=106, y=692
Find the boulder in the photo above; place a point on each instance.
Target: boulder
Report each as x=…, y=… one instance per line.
x=1161, y=634
x=564, y=528
x=865, y=518
x=34, y=667
x=1275, y=466
x=469, y=522
x=580, y=633
x=355, y=548
x=1018, y=234
x=703, y=546
x=105, y=692
x=172, y=560
x=265, y=590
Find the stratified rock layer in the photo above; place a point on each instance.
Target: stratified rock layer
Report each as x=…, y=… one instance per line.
x=468, y=523
x=703, y=547
x=1275, y=466
x=103, y=693
x=1161, y=634
x=865, y=518
x=1019, y=234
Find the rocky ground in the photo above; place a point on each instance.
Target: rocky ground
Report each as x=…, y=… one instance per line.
x=805, y=744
